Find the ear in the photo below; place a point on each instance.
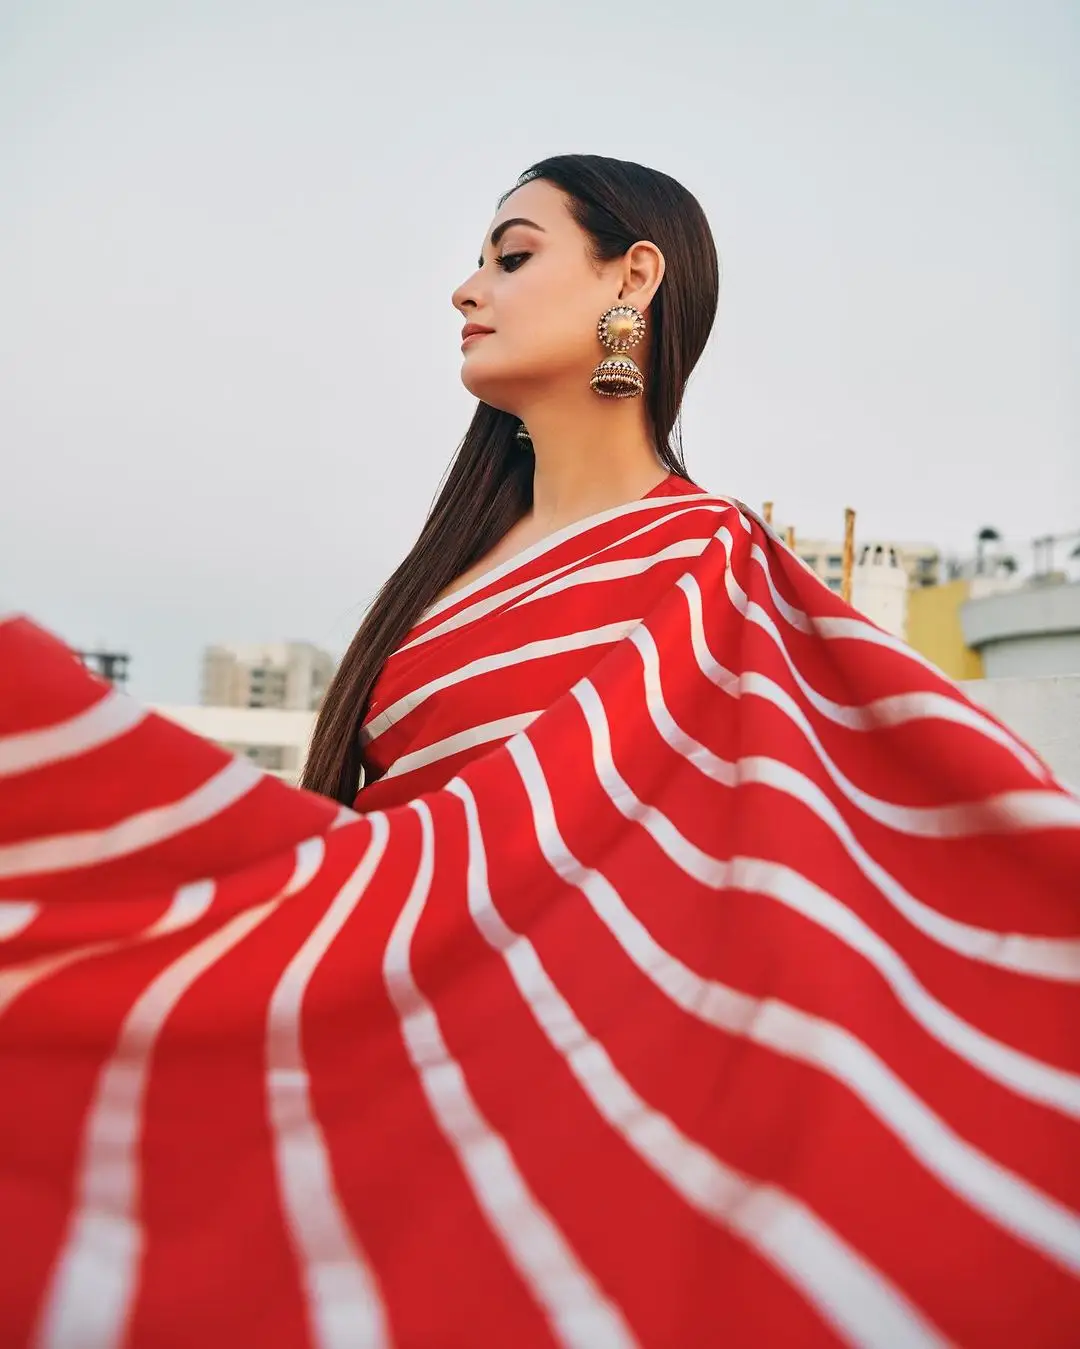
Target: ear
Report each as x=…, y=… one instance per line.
x=642, y=272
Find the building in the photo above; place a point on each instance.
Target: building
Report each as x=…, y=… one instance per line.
x=258, y=701
x=934, y=626
x=1026, y=630
x=879, y=587
x=935, y=631
x=921, y=562
x=292, y=676
x=274, y=739
x=1044, y=712
x=879, y=584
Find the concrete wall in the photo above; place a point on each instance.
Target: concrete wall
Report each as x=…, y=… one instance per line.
x=1045, y=713
x=1034, y=657
x=879, y=588
x=1032, y=631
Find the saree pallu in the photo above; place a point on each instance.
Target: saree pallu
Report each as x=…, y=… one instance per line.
x=702, y=970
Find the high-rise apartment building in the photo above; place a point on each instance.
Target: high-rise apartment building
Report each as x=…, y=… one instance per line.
x=292, y=676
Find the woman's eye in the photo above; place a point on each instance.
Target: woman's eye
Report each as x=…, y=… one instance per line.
x=510, y=262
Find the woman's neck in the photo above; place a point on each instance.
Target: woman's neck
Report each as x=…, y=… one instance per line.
x=591, y=454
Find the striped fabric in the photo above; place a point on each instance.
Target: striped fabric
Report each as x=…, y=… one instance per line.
x=445, y=697
x=703, y=970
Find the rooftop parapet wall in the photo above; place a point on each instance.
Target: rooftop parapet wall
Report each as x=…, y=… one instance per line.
x=1044, y=712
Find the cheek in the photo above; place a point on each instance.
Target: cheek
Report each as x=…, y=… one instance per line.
x=545, y=325
x=553, y=317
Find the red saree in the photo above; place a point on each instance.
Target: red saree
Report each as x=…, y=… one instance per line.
x=720, y=988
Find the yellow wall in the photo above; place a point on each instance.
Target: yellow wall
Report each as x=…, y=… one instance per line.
x=933, y=629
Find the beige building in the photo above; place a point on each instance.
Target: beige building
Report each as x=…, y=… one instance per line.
x=291, y=676
x=921, y=562
x=273, y=739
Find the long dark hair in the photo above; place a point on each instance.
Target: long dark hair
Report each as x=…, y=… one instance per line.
x=489, y=485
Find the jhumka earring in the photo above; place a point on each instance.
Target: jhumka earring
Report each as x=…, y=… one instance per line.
x=621, y=328
x=522, y=435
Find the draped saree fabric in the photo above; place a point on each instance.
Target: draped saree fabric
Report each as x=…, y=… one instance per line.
x=700, y=968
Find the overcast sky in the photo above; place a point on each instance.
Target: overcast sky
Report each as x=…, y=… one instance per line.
x=229, y=233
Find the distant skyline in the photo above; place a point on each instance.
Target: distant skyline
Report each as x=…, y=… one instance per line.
x=229, y=233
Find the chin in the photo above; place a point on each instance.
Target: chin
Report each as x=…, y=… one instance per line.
x=484, y=380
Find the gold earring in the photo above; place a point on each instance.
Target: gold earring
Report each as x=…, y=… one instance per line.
x=621, y=328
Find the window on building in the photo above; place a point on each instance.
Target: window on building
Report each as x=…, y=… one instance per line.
x=834, y=583
x=834, y=560
x=811, y=560
x=270, y=757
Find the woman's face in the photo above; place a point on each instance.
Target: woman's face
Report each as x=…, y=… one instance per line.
x=537, y=294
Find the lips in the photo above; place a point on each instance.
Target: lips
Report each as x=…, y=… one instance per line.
x=472, y=331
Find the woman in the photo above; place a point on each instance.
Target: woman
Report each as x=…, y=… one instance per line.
x=580, y=238
x=702, y=967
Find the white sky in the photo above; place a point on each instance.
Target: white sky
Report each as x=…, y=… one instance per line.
x=229, y=233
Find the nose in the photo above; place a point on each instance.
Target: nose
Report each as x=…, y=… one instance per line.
x=466, y=298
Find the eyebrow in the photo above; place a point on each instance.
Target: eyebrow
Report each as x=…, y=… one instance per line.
x=499, y=230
